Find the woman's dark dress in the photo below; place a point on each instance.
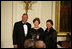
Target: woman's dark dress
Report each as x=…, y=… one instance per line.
x=50, y=38
x=34, y=32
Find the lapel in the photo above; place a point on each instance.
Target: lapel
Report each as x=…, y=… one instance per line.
x=27, y=27
x=23, y=28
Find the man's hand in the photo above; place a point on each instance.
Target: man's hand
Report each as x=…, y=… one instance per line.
x=15, y=46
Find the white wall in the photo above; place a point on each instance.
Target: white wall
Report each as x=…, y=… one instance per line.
x=47, y=12
x=42, y=9
x=11, y=12
x=6, y=24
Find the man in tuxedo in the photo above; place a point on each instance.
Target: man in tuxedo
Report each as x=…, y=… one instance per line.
x=21, y=31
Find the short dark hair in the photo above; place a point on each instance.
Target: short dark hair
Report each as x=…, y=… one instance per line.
x=25, y=14
x=50, y=21
x=37, y=20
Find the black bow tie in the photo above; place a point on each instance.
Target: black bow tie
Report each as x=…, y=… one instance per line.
x=24, y=24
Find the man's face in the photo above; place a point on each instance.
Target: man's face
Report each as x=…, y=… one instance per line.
x=24, y=18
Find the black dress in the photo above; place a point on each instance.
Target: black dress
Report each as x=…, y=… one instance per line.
x=50, y=38
x=34, y=32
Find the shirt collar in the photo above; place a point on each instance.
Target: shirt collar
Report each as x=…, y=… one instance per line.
x=24, y=23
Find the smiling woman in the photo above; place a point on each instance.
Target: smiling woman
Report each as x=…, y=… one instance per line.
x=50, y=35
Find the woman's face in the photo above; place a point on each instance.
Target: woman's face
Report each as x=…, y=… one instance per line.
x=36, y=23
x=49, y=25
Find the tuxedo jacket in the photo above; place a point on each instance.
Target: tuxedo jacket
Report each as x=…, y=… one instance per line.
x=19, y=34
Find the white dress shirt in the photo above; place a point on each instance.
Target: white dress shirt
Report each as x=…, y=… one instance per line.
x=25, y=29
